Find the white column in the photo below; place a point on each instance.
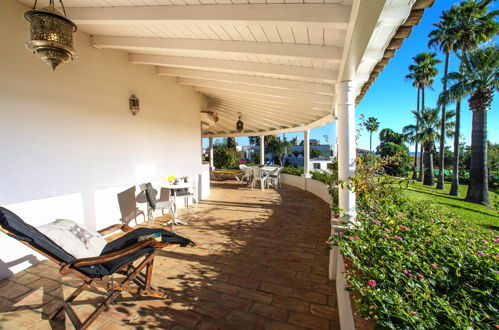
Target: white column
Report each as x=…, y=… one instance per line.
x=306, y=154
x=262, y=149
x=345, y=109
x=211, y=154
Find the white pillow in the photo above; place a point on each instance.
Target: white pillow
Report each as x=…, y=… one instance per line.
x=75, y=238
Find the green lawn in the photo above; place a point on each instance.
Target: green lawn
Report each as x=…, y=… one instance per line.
x=468, y=212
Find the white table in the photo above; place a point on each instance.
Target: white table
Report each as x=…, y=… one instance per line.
x=266, y=171
x=174, y=188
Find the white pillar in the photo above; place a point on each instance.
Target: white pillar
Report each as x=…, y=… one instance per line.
x=306, y=154
x=262, y=149
x=345, y=109
x=211, y=153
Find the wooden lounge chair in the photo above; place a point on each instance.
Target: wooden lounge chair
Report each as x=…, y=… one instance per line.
x=126, y=256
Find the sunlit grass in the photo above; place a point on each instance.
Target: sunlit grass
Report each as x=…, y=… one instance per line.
x=468, y=212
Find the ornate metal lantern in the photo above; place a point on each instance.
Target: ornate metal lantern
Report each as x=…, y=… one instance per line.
x=239, y=124
x=134, y=104
x=51, y=34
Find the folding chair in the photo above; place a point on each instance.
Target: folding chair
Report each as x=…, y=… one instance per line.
x=126, y=255
x=128, y=206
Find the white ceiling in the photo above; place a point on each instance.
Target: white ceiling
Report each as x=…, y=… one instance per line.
x=275, y=62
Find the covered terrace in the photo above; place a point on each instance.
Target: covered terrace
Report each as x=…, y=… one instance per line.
x=70, y=142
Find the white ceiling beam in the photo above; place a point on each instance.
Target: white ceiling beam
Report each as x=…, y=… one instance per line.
x=244, y=79
x=317, y=123
x=292, y=115
x=293, y=95
x=286, y=109
x=289, y=51
x=330, y=16
x=229, y=120
x=290, y=120
x=269, y=104
x=249, y=96
x=235, y=67
x=257, y=123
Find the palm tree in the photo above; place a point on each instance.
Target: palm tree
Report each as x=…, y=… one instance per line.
x=443, y=38
x=423, y=72
x=372, y=125
x=416, y=82
x=471, y=23
x=478, y=78
x=427, y=133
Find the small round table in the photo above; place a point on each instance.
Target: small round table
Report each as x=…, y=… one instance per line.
x=174, y=188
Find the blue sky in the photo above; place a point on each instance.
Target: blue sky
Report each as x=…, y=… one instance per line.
x=391, y=98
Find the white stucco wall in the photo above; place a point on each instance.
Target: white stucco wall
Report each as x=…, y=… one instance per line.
x=318, y=188
x=68, y=142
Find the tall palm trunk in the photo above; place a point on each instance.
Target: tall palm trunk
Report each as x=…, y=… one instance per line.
x=454, y=189
x=440, y=183
x=414, y=173
x=428, y=157
x=421, y=163
x=478, y=188
x=370, y=140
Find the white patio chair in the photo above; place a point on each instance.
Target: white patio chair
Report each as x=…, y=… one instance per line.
x=247, y=175
x=275, y=178
x=260, y=177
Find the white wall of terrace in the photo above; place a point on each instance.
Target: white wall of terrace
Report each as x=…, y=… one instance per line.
x=69, y=143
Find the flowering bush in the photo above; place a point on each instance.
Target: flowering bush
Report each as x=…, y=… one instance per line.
x=415, y=266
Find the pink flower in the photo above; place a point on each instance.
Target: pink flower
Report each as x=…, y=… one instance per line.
x=496, y=241
x=496, y=326
x=340, y=233
x=397, y=248
x=420, y=276
x=372, y=283
x=388, y=230
x=414, y=313
x=403, y=227
x=398, y=238
x=484, y=242
x=433, y=266
x=409, y=253
x=406, y=273
x=386, y=236
x=480, y=253
x=355, y=238
x=398, y=214
x=377, y=222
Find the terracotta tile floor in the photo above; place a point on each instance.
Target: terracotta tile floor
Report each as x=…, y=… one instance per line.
x=260, y=262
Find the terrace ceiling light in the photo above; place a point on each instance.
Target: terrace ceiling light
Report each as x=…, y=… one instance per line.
x=51, y=34
x=239, y=124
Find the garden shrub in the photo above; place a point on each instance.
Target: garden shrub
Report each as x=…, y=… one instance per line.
x=292, y=170
x=415, y=267
x=226, y=158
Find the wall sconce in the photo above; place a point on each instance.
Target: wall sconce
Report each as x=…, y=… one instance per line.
x=134, y=104
x=239, y=124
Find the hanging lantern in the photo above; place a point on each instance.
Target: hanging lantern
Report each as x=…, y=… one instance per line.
x=134, y=104
x=51, y=34
x=239, y=124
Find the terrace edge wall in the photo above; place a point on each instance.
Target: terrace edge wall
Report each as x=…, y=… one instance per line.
x=69, y=142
